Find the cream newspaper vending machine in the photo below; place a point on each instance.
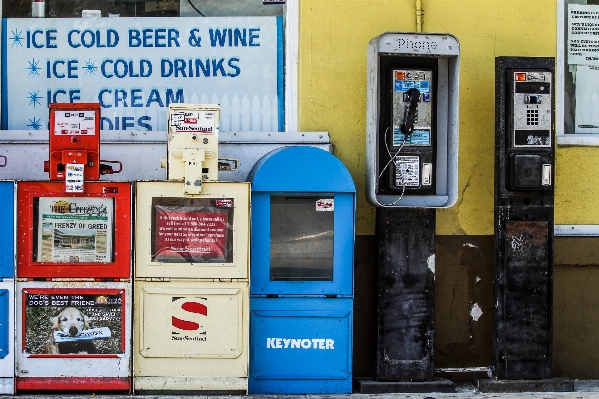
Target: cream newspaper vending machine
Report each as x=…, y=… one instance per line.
x=74, y=265
x=191, y=268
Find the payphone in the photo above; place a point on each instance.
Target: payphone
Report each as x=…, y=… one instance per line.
x=74, y=265
x=529, y=124
x=412, y=168
x=191, y=267
x=412, y=120
x=524, y=203
x=411, y=133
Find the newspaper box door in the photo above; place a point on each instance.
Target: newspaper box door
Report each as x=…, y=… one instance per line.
x=200, y=236
x=73, y=336
x=191, y=336
x=74, y=235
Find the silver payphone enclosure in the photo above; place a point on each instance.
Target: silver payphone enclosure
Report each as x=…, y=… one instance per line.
x=445, y=48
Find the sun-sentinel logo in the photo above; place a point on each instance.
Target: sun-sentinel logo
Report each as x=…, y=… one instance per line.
x=186, y=318
x=300, y=343
x=64, y=206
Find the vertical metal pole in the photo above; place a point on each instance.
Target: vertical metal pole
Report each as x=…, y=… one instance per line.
x=406, y=300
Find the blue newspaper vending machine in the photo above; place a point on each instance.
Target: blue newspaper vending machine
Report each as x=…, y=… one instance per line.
x=301, y=273
x=7, y=285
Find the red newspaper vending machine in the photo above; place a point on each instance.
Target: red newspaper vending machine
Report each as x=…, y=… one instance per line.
x=74, y=265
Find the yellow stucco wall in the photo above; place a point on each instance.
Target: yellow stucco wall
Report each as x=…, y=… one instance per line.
x=334, y=36
x=577, y=185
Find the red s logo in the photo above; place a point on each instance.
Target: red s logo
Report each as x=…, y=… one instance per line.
x=192, y=307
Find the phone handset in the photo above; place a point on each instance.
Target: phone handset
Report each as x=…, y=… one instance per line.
x=411, y=115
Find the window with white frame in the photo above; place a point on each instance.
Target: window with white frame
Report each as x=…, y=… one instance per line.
x=220, y=44
x=578, y=67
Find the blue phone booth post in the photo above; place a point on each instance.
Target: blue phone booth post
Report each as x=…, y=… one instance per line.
x=301, y=273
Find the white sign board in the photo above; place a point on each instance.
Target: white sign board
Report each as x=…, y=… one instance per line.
x=583, y=34
x=136, y=67
x=587, y=99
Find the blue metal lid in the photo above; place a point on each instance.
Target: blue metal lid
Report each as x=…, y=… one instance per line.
x=300, y=169
x=7, y=229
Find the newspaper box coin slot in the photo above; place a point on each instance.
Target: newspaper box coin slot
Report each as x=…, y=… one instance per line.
x=75, y=145
x=303, y=224
x=192, y=145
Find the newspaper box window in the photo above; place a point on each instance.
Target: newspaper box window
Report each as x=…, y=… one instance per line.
x=73, y=230
x=82, y=322
x=73, y=336
x=302, y=237
x=198, y=230
x=72, y=235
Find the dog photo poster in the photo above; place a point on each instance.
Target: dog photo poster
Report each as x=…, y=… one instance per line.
x=80, y=322
x=74, y=229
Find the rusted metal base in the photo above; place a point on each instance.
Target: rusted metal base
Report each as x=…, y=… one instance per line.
x=373, y=387
x=507, y=386
x=406, y=300
x=190, y=392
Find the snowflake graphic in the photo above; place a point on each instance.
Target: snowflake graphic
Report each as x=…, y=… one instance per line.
x=34, y=68
x=90, y=67
x=34, y=98
x=16, y=38
x=35, y=124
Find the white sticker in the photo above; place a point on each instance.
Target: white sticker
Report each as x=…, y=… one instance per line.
x=84, y=335
x=74, y=178
x=407, y=171
x=74, y=122
x=325, y=205
x=177, y=118
x=196, y=121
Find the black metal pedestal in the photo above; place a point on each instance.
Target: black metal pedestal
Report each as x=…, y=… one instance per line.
x=524, y=206
x=406, y=300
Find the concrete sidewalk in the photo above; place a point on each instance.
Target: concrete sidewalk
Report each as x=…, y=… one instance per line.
x=582, y=390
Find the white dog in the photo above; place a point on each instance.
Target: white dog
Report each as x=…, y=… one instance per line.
x=71, y=322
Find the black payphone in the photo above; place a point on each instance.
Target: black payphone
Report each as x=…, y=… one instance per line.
x=524, y=204
x=529, y=117
x=408, y=104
